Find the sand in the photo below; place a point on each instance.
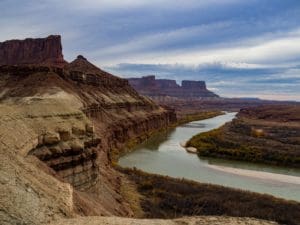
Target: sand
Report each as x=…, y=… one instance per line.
x=259, y=174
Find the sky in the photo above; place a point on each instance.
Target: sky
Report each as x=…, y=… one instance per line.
x=240, y=48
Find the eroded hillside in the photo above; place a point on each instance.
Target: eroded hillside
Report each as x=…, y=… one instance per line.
x=58, y=127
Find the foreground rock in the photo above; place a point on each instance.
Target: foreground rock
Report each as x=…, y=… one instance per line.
x=209, y=220
x=58, y=128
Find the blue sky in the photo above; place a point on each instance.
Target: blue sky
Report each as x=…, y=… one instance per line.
x=241, y=48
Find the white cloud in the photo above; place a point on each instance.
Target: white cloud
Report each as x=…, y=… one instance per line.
x=145, y=42
x=101, y=5
x=271, y=51
x=267, y=96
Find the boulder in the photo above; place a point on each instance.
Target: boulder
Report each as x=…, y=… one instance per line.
x=51, y=138
x=78, y=130
x=64, y=146
x=56, y=150
x=42, y=153
x=77, y=146
x=191, y=150
x=65, y=135
x=89, y=128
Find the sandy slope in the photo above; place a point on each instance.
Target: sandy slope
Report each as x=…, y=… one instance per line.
x=259, y=174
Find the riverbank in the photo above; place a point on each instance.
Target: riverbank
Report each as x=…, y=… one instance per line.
x=203, y=115
x=168, y=198
x=165, y=197
x=184, y=118
x=267, y=135
x=267, y=177
x=163, y=154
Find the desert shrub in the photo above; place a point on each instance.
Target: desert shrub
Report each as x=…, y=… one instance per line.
x=217, y=143
x=165, y=197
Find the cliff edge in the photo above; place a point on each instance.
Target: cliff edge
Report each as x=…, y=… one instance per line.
x=58, y=128
x=156, y=88
x=46, y=51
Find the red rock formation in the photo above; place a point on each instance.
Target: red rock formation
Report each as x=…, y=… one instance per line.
x=194, y=84
x=45, y=51
x=83, y=71
x=73, y=153
x=123, y=113
x=152, y=87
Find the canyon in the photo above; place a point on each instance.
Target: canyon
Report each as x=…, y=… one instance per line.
x=58, y=127
x=61, y=127
x=192, y=97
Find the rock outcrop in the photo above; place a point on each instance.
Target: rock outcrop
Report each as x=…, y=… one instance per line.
x=72, y=154
x=156, y=88
x=46, y=51
x=207, y=220
x=64, y=122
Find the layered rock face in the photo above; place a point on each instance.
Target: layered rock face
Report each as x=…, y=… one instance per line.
x=193, y=84
x=155, y=88
x=46, y=51
x=62, y=123
x=72, y=154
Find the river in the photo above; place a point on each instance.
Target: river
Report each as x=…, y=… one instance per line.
x=162, y=154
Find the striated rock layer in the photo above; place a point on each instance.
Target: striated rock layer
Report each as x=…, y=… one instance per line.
x=157, y=88
x=46, y=51
x=61, y=125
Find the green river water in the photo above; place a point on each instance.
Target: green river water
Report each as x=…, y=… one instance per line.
x=162, y=154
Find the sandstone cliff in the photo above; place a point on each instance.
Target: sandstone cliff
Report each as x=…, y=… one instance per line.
x=156, y=88
x=46, y=51
x=71, y=126
x=58, y=126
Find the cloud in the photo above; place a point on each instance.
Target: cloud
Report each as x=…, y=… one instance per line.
x=232, y=44
x=133, y=4
x=274, y=50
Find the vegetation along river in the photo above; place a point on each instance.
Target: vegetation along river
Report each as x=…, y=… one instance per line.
x=163, y=154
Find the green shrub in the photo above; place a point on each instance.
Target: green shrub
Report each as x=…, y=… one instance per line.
x=165, y=197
